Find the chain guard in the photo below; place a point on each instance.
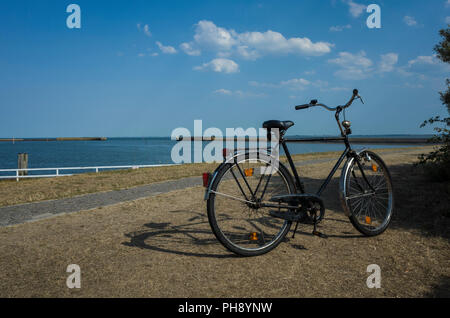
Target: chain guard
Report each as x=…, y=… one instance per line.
x=310, y=207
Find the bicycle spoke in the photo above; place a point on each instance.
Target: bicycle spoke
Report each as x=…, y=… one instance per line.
x=265, y=187
x=260, y=180
x=245, y=180
x=361, y=208
x=381, y=203
x=231, y=197
x=383, y=207
x=380, y=182
x=239, y=185
x=362, y=195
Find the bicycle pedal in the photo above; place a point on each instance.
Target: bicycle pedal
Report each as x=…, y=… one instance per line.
x=319, y=234
x=288, y=216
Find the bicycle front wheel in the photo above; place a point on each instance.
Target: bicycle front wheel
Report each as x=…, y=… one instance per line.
x=368, y=194
x=236, y=206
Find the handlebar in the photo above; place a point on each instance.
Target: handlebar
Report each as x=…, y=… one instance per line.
x=302, y=106
x=314, y=103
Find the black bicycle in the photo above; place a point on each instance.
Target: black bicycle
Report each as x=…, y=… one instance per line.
x=253, y=199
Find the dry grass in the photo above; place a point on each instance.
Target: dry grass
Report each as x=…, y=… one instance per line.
x=163, y=247
x=32, y=190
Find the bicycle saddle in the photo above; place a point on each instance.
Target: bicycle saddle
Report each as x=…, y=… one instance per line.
x=282, y=125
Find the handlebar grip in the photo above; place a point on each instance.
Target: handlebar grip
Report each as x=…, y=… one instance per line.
x=302, y=107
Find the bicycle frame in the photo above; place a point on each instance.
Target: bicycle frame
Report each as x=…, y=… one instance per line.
x=347, y=152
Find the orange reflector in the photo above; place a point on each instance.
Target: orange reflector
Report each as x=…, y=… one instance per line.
x=368, y=220
x=248, y=172
x=253, y=236
x=374, y=168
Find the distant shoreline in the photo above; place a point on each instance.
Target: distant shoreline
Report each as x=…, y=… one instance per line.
x=376, y=139
x=56, y=139
x=355, y=140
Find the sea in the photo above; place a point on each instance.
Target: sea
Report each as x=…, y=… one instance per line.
x=125, y=151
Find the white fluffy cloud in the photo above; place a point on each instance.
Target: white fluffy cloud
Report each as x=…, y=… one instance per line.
x=298, y=84
x=219, y=65
x=340, y=28
x=425, y=65
x=145, y=28
x=409, y=20
x=238, y=93
x=209, y=35
x=294, y=84
x=352, y=66
x=274, y=42
x=421, y=60
x=388, y=62
x=252, y=45
x=189, y=49
x=166, y=49
x=355, y=9
x=359, y=66
x=347, y=59
x=223, y=91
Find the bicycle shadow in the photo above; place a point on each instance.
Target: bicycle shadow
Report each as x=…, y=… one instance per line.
x=191, y=235
x=188, y=233
x=191, y=238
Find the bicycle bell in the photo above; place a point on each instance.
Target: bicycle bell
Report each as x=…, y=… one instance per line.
x=346, y=124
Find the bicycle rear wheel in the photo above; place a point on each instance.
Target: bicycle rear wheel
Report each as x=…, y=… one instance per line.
x=234, y=206
x=368, y=194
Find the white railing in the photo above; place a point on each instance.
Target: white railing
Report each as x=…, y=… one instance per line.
x=17, y=175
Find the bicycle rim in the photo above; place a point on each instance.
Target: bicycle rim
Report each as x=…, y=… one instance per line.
x=237, y=224
x=371, y=205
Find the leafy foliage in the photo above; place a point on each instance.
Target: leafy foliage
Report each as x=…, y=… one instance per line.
x=437, y=163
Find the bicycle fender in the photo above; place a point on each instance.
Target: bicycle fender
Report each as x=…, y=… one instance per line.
x=213, y=177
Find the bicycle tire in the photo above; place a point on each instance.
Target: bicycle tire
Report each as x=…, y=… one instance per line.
x=364, y=206
x=217, y=225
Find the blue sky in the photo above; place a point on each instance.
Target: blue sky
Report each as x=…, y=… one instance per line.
x=144, y=68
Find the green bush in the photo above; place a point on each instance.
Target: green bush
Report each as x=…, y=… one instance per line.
x=437, y=162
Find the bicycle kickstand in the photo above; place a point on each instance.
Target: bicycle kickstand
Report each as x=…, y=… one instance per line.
x=315, y=232
x=295, y=230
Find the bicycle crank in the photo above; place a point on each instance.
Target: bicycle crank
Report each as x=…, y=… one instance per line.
x=309, y=203
x=311, y=210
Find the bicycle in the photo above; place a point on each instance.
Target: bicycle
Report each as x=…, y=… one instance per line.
x=251, y=210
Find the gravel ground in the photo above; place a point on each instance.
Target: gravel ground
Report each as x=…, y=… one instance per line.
x=21, y=213
x=162, y=246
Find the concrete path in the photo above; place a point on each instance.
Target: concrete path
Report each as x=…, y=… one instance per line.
x=22, y=213
x=29, y=212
